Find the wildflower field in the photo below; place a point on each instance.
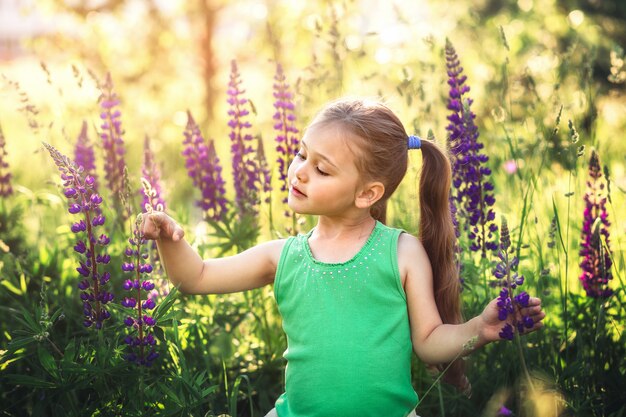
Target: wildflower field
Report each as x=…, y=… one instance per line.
x=197, y=110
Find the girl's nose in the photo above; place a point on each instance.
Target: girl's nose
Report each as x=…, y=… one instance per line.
x=300, y=173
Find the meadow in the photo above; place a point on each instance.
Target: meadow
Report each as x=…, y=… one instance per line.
x=530, y=103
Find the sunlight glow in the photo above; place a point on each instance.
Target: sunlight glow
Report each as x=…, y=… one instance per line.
x=353, y=42
x=180, y=118
x=576, y=18
x=525, y=5
x=258, y=11
x=383, y=55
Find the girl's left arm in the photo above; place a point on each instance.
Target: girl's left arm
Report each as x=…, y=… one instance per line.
x=433, y=341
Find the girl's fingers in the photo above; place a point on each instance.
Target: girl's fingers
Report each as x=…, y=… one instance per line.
x=149, y=226
x=178, y=232
x=158, y=225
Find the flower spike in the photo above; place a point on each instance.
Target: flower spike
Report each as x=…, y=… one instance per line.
x=91, y=248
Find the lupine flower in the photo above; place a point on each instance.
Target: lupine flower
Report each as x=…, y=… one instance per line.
x=151, y=189
x=509, y=304
x=246, y=174
x=112, y=141
x=473, y=192
x=141, y=342
x=5, y=175
x=287, y=141
x=204, y=168
x=162, y=284
x=595, y=245
x=503, y=411
x=91, y=247
x=84, y=155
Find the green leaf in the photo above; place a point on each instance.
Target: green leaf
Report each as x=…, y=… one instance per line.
x=28, y=381
x=11, y=287
x=232, y=406
x=20, y=342
x=56, y=315
x=47, y=361
x=165, y=306
x=28, y=321
x=209, y=390
x=171, y=394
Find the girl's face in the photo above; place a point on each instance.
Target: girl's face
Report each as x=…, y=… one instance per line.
x=323, y=176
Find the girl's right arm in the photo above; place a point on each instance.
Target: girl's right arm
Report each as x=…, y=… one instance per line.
x=250, y=269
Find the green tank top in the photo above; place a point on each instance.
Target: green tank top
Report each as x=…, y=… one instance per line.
x=348, y=337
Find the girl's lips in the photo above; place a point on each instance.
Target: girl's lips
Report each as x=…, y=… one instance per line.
x=296, y=192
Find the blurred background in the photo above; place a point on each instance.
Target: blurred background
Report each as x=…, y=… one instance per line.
x=167, y=57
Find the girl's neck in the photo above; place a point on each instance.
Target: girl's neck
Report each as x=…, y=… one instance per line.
x=337, y=241
x=342, y=229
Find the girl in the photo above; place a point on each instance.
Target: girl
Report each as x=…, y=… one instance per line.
x=356, y=297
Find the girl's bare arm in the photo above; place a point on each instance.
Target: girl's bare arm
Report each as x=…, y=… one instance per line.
x=433, y=341
x=252, y=268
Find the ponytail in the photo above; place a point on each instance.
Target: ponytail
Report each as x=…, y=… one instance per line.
x=436, y=232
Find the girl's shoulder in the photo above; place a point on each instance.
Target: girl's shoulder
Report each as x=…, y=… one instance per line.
x=271, y=249
x=407, y=243
x=412, y=257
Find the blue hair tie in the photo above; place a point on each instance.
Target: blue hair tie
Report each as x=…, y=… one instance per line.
x=414, y=142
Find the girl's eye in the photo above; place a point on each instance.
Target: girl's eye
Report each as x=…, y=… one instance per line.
x=300, y=156
x=323, y=173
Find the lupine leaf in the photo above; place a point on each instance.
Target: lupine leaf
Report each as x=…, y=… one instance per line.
x=160, y=313
x=171, y=394
x=29, y=381
x=47, y=361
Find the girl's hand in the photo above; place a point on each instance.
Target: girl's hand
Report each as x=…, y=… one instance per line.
x=158, y=225
x=491, y=325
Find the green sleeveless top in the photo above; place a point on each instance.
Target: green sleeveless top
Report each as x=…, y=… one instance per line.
x=348, y=337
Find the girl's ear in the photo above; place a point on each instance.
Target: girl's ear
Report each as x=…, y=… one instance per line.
x=370, y=194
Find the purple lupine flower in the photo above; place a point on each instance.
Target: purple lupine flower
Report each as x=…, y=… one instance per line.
x=5, y=175
x=84, y=155
x=503, y=411
x=112, y=141
x=595, y=244
x=287, y=142
x=79, y=189
x=204, y=168
x=472, y=191
x=141, y=342
x=151, y=180
x=510, y=304
x=246, y=175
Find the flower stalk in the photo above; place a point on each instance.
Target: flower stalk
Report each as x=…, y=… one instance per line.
x=510, y=305
x=595, y=248
x=5, y=174
x=472, y=192
x=246, y=169
x=141, y=340
x=112, y=143
x=151, y=181
x=204, y=168
x=85, y=202
x=287, y=141
x=84, y=155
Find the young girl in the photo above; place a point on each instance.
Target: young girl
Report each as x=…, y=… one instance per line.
x=356, y=296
